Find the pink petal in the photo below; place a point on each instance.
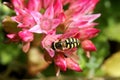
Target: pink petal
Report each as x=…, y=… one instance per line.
x=11, y=36
x=62, y=17
x=19, y=4
x=58, y=7
x=87, y=25
x=26, y=36
x=73, y=55
x=37, y=29
x=56, y=22
x=83, y=6
x=83, y=21
x=47, y=3
x=27, y=20
x=59, y=60
x=24, y=19
x=90, y=6
x=49, y=13
x=91, y=18
x=37, y=16
x=26, y=47
x=73, y=65
x=76, y=24
x=87, y=18
x=88, y=33
x=34, y=5
x=72, y=32
x=51, y=52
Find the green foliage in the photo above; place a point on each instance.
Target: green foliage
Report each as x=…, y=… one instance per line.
x=110, y=19
x=4, y=11
x=8, y=53
x=113, y=31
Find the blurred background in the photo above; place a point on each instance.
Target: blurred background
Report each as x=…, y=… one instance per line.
x=104, y=64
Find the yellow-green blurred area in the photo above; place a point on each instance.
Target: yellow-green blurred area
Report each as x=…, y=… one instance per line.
x=104, y=64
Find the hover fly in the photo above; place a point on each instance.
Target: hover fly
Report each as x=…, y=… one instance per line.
x=68, y=43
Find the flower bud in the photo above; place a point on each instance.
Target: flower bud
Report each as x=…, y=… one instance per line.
x=87, y=45
x=88, y=33
x=26, y=36
x=60, y=62
x=9, y=25
x=73, y=65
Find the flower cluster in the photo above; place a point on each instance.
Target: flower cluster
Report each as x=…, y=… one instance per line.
x=56, y=20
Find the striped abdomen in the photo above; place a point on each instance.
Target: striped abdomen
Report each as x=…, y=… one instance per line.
x=71, y=43
x=68, y=43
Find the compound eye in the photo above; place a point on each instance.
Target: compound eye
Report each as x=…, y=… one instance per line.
x=58, y=45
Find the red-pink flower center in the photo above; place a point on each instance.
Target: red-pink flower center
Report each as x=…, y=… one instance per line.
x=46, y=24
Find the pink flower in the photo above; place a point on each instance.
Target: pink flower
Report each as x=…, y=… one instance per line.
x=45, y=23
x=49, y=21
x=30, y=20
x=24, y=12
x=66, y=62
x=79, y=14
x=59, y=60
x=26, y=36
x=47, y=17
x=78, y=23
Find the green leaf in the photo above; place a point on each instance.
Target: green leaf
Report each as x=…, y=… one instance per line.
x=113, y=30
x=8, y=52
